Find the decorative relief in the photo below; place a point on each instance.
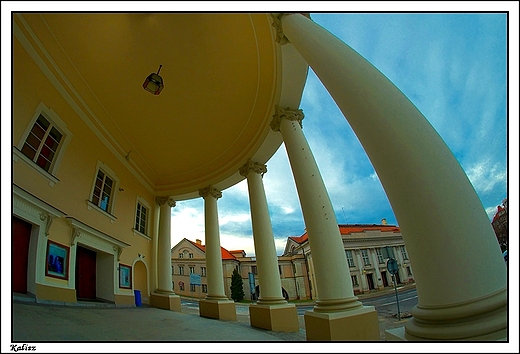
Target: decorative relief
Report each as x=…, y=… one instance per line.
x=50, y=219
x=119, y=250
x=277, y=24
x=20, y=204
x=165, y=199
x=252, y=166
x=75, y=234
x=288, y=114
x=210, y=191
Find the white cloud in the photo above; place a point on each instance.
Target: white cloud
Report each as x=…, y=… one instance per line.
x=231, y=217
x=485, y=175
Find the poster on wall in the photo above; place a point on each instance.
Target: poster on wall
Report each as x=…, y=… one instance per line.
x=57, y=260
x=125, y=276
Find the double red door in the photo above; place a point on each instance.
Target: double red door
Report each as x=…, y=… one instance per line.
x=20, y=254
x=85, y=273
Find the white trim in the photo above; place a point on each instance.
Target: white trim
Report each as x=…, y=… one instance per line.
x=17, y=155
x=107, y=171
x=137, y=233
x=148, y=228
x=37, y=202
x=78, y=225
x=57, y=123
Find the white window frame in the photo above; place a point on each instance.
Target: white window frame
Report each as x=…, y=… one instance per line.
x=403, y=252
x=204, y=288
x=57, y=123
x=203, y=271
x=380, y=258
x=190, y=255
x=108, y=172
x=181, y=255
x=350, y=258
x=144, y=203
x=366, y=258
x=354, y=280
x=181, y=270
x=192, y=269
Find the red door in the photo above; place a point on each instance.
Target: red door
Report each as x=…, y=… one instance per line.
x=85, y=273
x=20, y=254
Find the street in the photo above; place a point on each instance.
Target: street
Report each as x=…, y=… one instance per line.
x=385, y=304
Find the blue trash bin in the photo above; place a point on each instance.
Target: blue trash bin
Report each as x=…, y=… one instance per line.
x=137, y=294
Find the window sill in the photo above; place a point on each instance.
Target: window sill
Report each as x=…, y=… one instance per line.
x=91, y=206
x=18, y=155
x=141, y=234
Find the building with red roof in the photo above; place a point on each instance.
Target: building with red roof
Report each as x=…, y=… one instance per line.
x=500, y=225
x=367, y=249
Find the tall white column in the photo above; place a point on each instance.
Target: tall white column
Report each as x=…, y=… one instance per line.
x=322, y=228
x=450, y=241
x=216, y=304
x=164, y=256
x=335, y=293
x=164, y=297
x=265, y=249
x=271, y=312
x=215, y=274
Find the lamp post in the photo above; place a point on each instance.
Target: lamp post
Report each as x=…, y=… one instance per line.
x=393, y=267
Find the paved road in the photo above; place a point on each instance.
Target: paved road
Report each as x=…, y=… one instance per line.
x=385, y=304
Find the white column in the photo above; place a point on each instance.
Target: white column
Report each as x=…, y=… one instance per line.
x=444, y=225
x=164, y=255
x=378, y=283
x=330, y=264
x=265, y=249
x=362, y=276
x=215, y=275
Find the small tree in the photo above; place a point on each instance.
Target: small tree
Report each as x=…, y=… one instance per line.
x=237, y=286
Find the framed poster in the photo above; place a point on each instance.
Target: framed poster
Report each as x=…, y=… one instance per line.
x=57, y=260
x=125, y=276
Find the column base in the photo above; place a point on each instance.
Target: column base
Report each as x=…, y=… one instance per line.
x=360, y=324
x=482, y=319
x=278, y=318
x=170, y=301
x=219, y=309
x=399, y=335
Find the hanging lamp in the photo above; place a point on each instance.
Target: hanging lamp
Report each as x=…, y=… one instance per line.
x=154, y=83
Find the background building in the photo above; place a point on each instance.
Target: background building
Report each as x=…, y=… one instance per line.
x=367, y=249
x=500, y=225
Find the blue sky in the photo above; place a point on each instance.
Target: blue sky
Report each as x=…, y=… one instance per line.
x=451, y=66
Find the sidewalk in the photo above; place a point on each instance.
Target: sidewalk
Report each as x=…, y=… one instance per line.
x=94, y=322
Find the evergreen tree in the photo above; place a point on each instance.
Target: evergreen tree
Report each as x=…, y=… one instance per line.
x=237, y=286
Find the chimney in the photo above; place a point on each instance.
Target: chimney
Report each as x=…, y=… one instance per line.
x=199, y=242
x=383, y=221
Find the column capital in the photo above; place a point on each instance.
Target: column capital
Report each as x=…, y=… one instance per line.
x=277, y=24
x=210, y=191
x=287, y=113
x=252, y=166
x=165, y=199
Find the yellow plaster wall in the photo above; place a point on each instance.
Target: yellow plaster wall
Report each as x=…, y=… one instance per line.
x=78, y=168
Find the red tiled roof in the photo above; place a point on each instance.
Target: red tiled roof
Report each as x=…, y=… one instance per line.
x=224, y=252
x=354, y=228
x=499, y=209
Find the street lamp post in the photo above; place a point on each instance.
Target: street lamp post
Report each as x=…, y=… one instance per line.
x=393, y=267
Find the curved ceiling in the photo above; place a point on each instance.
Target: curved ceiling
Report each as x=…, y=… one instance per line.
x=222, y=79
